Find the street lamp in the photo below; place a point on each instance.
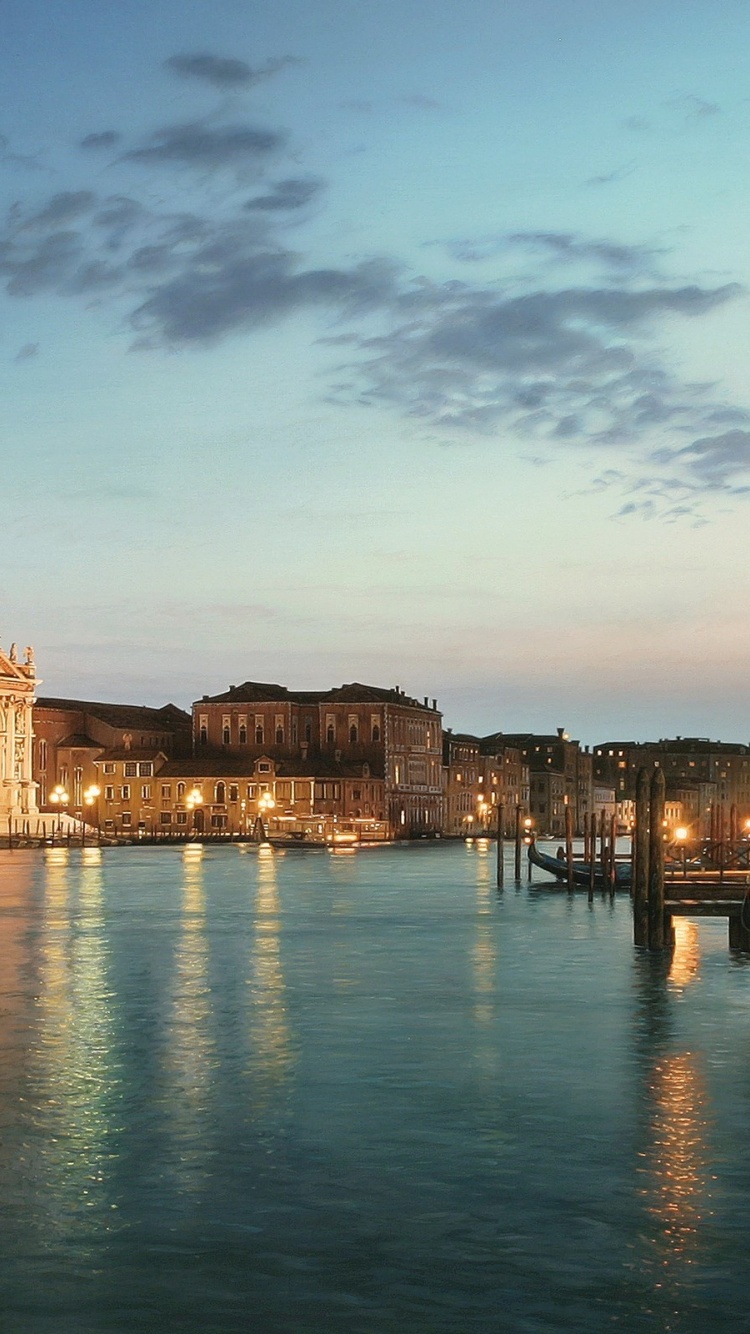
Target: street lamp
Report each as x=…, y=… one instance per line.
x=59, y=798
x=91, y=798
x=266, y=804
x=681, y=836
x=192, y=800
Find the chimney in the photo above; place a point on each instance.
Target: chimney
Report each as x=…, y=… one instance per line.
x=434, y=705
x=426, y=702
x=561, y=732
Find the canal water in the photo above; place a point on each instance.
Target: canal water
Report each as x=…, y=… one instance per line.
x=361, y=1093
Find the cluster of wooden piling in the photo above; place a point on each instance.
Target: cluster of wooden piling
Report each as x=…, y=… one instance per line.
x=651, y=926
x=518, y=840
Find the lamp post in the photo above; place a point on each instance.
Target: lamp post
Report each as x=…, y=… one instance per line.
x=91, y=798
x=192, y=801
x=266, y=804
x=681, y=836
x=59, y=798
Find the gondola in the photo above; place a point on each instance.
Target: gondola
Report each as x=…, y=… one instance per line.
x=558, y=867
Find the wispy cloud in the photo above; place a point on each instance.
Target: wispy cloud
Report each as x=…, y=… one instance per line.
x=225, y=72
x=197, y=144
x=286, y=195
x=102, y=139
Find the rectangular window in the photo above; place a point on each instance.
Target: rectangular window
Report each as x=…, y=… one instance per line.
x=146, y=792
x=146, y=769
x=109, y=794
x=166, y=817
x=166, y=791
x=130, y=769
x=234, y=792
x=109, y=767
x=181, y=817
x=264, y=768
x=126, y=818
x=250, y=791
x=125, y=792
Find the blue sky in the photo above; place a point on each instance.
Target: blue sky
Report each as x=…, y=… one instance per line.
x=400, y=342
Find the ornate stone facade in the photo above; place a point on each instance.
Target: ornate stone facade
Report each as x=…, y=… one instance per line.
x=18, y=683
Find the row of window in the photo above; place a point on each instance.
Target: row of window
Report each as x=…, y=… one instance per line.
x=279, y=734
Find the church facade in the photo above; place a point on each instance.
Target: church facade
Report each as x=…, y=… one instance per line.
x=18, y=683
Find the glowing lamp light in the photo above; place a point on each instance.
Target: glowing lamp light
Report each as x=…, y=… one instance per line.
x=681, y=834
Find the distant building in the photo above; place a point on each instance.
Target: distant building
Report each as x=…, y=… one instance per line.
x=396, y=737
x=82, y=745
x=556, y=754
x=18, y=684
x=698, y=773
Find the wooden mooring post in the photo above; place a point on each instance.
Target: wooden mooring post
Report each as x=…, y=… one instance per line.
x=500, y=843
x=640, y=859
x=592, y=856
x=612, y=868
x=517, y=866
x=656, y=863
x=569, y=844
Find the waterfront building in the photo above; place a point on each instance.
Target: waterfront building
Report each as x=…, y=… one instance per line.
x=308, y=798
x=547, y=802
x=97, y=759
x=556, y=754
x=396, y=736
x=18, y=684
x=698, y=772
x=508, y=774
x=466, y=810
x=481, y=774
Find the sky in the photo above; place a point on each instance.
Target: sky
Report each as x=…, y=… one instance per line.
x=402, y=343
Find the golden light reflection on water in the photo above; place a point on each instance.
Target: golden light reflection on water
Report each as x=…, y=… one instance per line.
x=270, y=1044
x=685, y=964
x=484, y=949
x=73, y=1060
x=677, y=1160
x=677, y=1191
x=190, y=1047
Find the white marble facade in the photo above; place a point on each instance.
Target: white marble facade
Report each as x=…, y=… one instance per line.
x=18, y=685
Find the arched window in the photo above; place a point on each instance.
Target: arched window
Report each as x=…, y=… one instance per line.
x=330, y=734
x=376, y=731
x=308, y=729
x=243, y=736
x=204, y=736
x=180, y=791
x=225, y=736
x=259, y=736
x=353, y=735
x=279, y=736
x=221, y=793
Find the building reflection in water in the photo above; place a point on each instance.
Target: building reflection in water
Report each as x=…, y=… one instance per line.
x=271, y=1056
x=190, y=1055
x=75, y=1075
x=676, y=1160
x=17, y=992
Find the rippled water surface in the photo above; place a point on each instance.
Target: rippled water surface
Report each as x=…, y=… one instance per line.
x=300, y=1093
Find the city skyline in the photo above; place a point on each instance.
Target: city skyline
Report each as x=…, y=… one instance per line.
x=395, y=345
